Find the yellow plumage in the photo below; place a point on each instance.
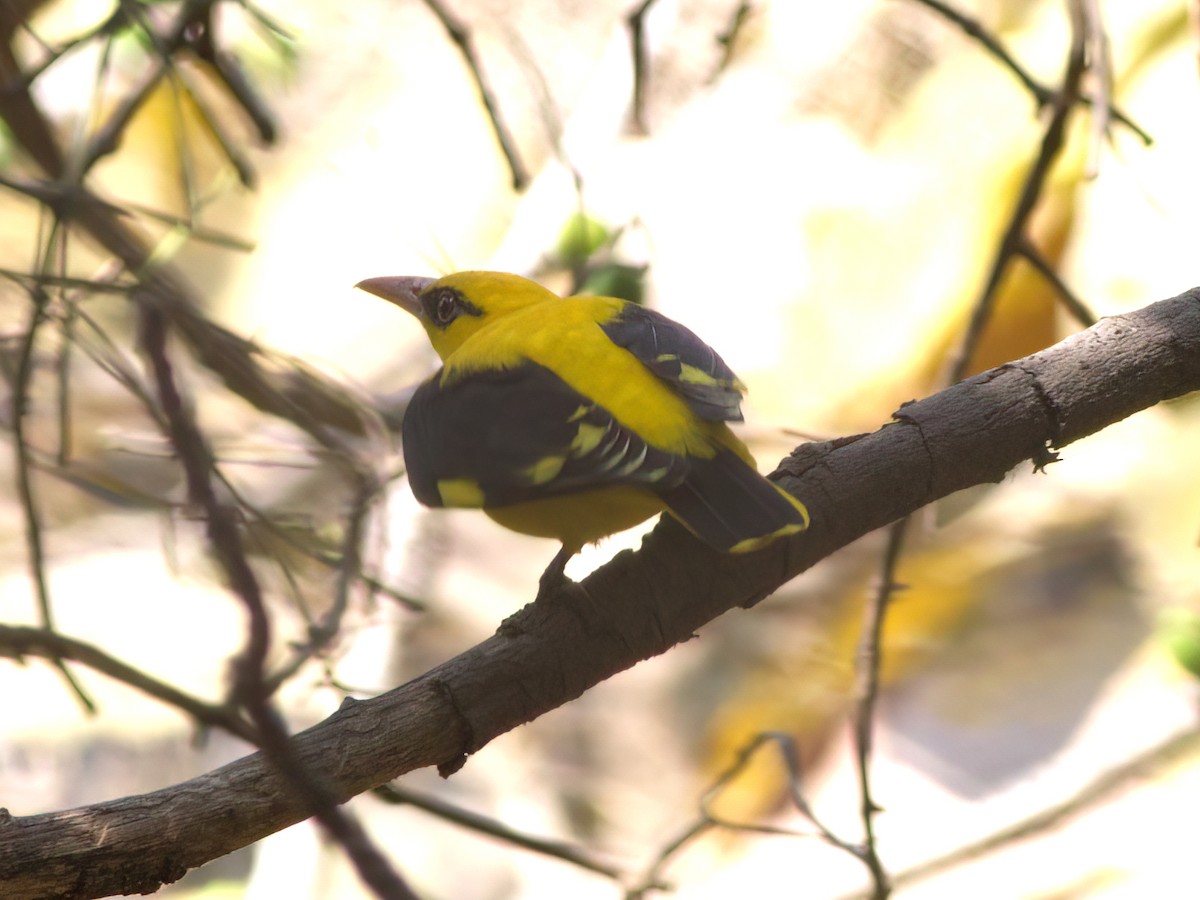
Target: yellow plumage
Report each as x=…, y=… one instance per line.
x=576, y=418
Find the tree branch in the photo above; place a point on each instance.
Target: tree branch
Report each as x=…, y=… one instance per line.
x=461, y=37
x=18, y=642
x=637, y=606
x=1053, y=140
x=1142, y=768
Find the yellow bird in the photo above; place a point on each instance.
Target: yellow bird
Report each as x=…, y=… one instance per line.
x=577, y=418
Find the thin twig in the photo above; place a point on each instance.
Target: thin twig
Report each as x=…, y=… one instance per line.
x=1013, y=243
x=1073, y=304
x=31, y=509
x=635, y=22
x=1145, y=765
x=18, y=108
x=228, y=145
x=28, y=279
x=62, y=368
x=251, y=689
x=17, y=642
x=395, y=794
x=1100, y=64
x=183, y=143
x=109, y=273
x=298, y=394
x=329, y=560
x=869, y=657
x=167, y=42
x=975, y=29
x=652, y=880
x=60, y=198
x=1043, y=95
x=269, y=27
x=108, y=136
x=466, y=46
x=790, y=754
x=194, y=231
x=111, y=359
x=107, y=28
x=190, y=29
x=350, y=571
x=62, y=375
x=786, y=746
x=728, y=38
x=199, y=36
x=321, y=633
x=1031, y=191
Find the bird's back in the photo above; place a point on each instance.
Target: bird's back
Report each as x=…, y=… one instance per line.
x=568, y=337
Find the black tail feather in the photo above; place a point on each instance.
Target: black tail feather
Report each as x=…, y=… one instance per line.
x=727, y=504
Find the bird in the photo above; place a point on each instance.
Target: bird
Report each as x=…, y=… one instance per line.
x=575, y=418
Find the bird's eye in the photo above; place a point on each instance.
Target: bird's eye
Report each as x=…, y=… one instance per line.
x=445, y=308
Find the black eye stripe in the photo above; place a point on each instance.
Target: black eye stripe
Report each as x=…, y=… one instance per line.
x=443, y=305
x=440, y=306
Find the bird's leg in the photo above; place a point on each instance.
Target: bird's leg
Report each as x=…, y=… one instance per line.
x=555, y=575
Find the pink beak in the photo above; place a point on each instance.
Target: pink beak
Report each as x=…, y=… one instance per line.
x=402, y=290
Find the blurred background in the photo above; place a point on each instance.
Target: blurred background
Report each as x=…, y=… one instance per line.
x=818, y=190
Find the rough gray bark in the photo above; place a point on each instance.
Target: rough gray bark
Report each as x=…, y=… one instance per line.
x=637, y=606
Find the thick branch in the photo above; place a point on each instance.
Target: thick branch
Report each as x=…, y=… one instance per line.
x=637, y=606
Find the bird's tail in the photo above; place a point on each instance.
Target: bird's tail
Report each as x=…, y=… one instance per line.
x=727, y=504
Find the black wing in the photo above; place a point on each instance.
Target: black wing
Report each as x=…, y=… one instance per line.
x=499, y=437
x=681, y=359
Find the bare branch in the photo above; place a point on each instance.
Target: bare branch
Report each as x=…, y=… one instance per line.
x=728, y=38
x=1043, y=95
x=31, y=510
x=1031, y=191
x=1100, y=64
x=1140, y=768
x=1013, y=243
x=1073, y=304
x=461, y=37
x=636, y=23
x=291, y=391
x=401, y=796
x=789, y=753
x=866, y=668
x=321, y=633
x=18, y=642
x=252, y=689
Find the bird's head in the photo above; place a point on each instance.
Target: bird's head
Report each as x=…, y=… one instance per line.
x=453, y=308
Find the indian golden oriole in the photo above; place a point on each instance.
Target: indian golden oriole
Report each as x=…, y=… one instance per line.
x=577, y=418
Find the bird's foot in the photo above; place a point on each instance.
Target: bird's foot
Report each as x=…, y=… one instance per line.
x=550, y=584
x=555, y=576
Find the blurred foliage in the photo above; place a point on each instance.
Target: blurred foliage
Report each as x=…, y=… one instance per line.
x=1180, y=630
x=580, y=238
